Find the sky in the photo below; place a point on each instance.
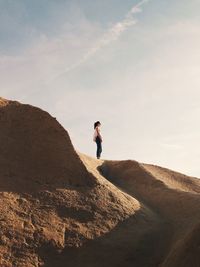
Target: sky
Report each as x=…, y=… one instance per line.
x=133, y=65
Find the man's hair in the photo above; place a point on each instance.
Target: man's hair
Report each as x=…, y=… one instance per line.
x=96, y=124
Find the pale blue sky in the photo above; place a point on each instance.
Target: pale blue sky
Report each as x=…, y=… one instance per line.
x=136, y=72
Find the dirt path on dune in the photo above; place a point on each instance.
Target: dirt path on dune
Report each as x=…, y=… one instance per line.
x=141, y=240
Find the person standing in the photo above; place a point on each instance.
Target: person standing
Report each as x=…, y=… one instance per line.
x=98, y=138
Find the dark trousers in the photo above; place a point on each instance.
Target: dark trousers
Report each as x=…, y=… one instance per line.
x=99, y=147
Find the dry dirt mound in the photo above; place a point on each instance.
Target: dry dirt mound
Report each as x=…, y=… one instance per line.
x=187, y=251
x=36, y=151
x=61, y=208
x=174, y=180
x=49, y=202
x=174, y=196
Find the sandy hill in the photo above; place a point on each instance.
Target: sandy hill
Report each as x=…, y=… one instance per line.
x=62, y=208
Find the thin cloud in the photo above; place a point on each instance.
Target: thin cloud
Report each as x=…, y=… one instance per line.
x=111, y=35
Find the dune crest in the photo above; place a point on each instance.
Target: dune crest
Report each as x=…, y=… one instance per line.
x=59, y=207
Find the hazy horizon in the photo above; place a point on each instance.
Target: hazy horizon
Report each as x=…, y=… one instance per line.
x=133, y=65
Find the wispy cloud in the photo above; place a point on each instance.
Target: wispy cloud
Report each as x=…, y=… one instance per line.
x=111, y=35
x=163, y=69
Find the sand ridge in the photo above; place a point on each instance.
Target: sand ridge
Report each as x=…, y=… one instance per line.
x=59, y=207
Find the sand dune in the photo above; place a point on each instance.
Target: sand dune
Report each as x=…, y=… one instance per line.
x=174, y=179
x=59, y=207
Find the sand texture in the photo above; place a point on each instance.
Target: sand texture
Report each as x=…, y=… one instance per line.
x=62, y=208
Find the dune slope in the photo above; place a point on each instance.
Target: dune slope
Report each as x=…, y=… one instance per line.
x=62, y=208
x=174, y=196
x=49, y=201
